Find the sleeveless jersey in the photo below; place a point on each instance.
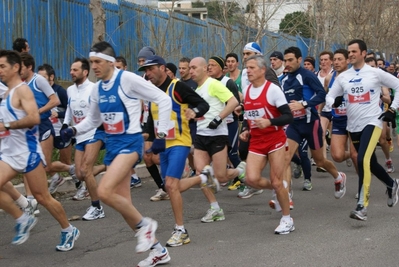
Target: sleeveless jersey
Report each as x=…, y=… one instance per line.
x=178, y=130
x=41, y=98
x=260, y=108
x=17, y=141
x=321, y=79
x=118, y=110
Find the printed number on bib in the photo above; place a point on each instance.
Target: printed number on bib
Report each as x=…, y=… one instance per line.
x=113, y=122
x=253, y=114
x=171, y=129
x=78, y=116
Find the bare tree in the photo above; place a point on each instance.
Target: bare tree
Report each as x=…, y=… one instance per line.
x=98, y=14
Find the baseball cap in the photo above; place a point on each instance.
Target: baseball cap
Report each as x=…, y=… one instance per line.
x=277, y=54
x=151, y=61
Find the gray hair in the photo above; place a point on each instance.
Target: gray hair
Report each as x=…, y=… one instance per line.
x=260, y=60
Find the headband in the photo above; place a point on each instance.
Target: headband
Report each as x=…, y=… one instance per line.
x=102, y=55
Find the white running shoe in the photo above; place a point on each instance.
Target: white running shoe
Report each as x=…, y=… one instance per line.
x=93, y=213
x=340, y=187
x=160, y=195
x=56, y=181
x=146, y=235
x=82, y=192
x=32, y=207
x=155, y=258
x=285, y=227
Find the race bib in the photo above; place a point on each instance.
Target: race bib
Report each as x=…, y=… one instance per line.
x=113, y=122
x=253, y=114
x=54, y=120
x=171, y=135
x=299, y=113
x=4, y=134
x=78, y=116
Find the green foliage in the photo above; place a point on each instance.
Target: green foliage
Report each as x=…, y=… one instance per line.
x=225, y=12
x=297, y=23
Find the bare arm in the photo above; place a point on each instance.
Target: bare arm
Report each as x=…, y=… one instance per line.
x=53, y=102
x=26, y=102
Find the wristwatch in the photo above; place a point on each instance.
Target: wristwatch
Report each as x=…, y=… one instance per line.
x=7, y=125
x=161, y=135
x=304, y=104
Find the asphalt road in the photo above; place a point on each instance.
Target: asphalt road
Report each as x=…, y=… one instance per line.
x=324, y=235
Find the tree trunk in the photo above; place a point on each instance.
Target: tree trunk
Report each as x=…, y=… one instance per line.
x=98, y=14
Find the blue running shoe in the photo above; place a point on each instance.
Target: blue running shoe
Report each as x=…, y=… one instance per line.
x=23, y=230
x=68, y=240
x=135, y=182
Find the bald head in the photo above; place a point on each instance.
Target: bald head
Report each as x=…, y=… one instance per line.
x=198, y=70
x=199, y=61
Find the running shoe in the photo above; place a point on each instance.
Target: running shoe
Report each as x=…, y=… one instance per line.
x=241, y=167
x=213, y=215
x=81, y=193
x=93, y=213
x=155, y=258
x=248, y=192
x=340, y=187
x=307, y=185
x=32, y=207
x=135, y=182
x=360, y=213
x=274, y=204
x=297, y=171
x=234, y=186
x=211, y=182
x=72, y=173
x=349, y=162
x=312, y=162
x=160, y=195
x=393, y=194
x=56, y=181
x=321, y=169
x=285, y=227
x=178, y=238
x=146, y=236
x=23, y=229
x=390, y=167
x=68, y=240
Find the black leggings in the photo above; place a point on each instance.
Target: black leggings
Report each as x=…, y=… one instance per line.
x=365, y=143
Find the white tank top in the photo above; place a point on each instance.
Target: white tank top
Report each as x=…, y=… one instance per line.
x=17, y=141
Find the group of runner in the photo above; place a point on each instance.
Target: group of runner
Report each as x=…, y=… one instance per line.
x=278, y=112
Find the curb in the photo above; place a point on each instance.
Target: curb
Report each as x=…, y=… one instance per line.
x=69, y=185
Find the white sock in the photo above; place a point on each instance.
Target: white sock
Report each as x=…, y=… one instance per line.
x=215, y=206
x=22, y=202
x=203, y=178
x=23, y=218
x=339, y=178
x=180, y=227
x=158, y=247
x=286, y=218
x=30, y=197
x=135, y=176
x=55, y=177
x=69, y=229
